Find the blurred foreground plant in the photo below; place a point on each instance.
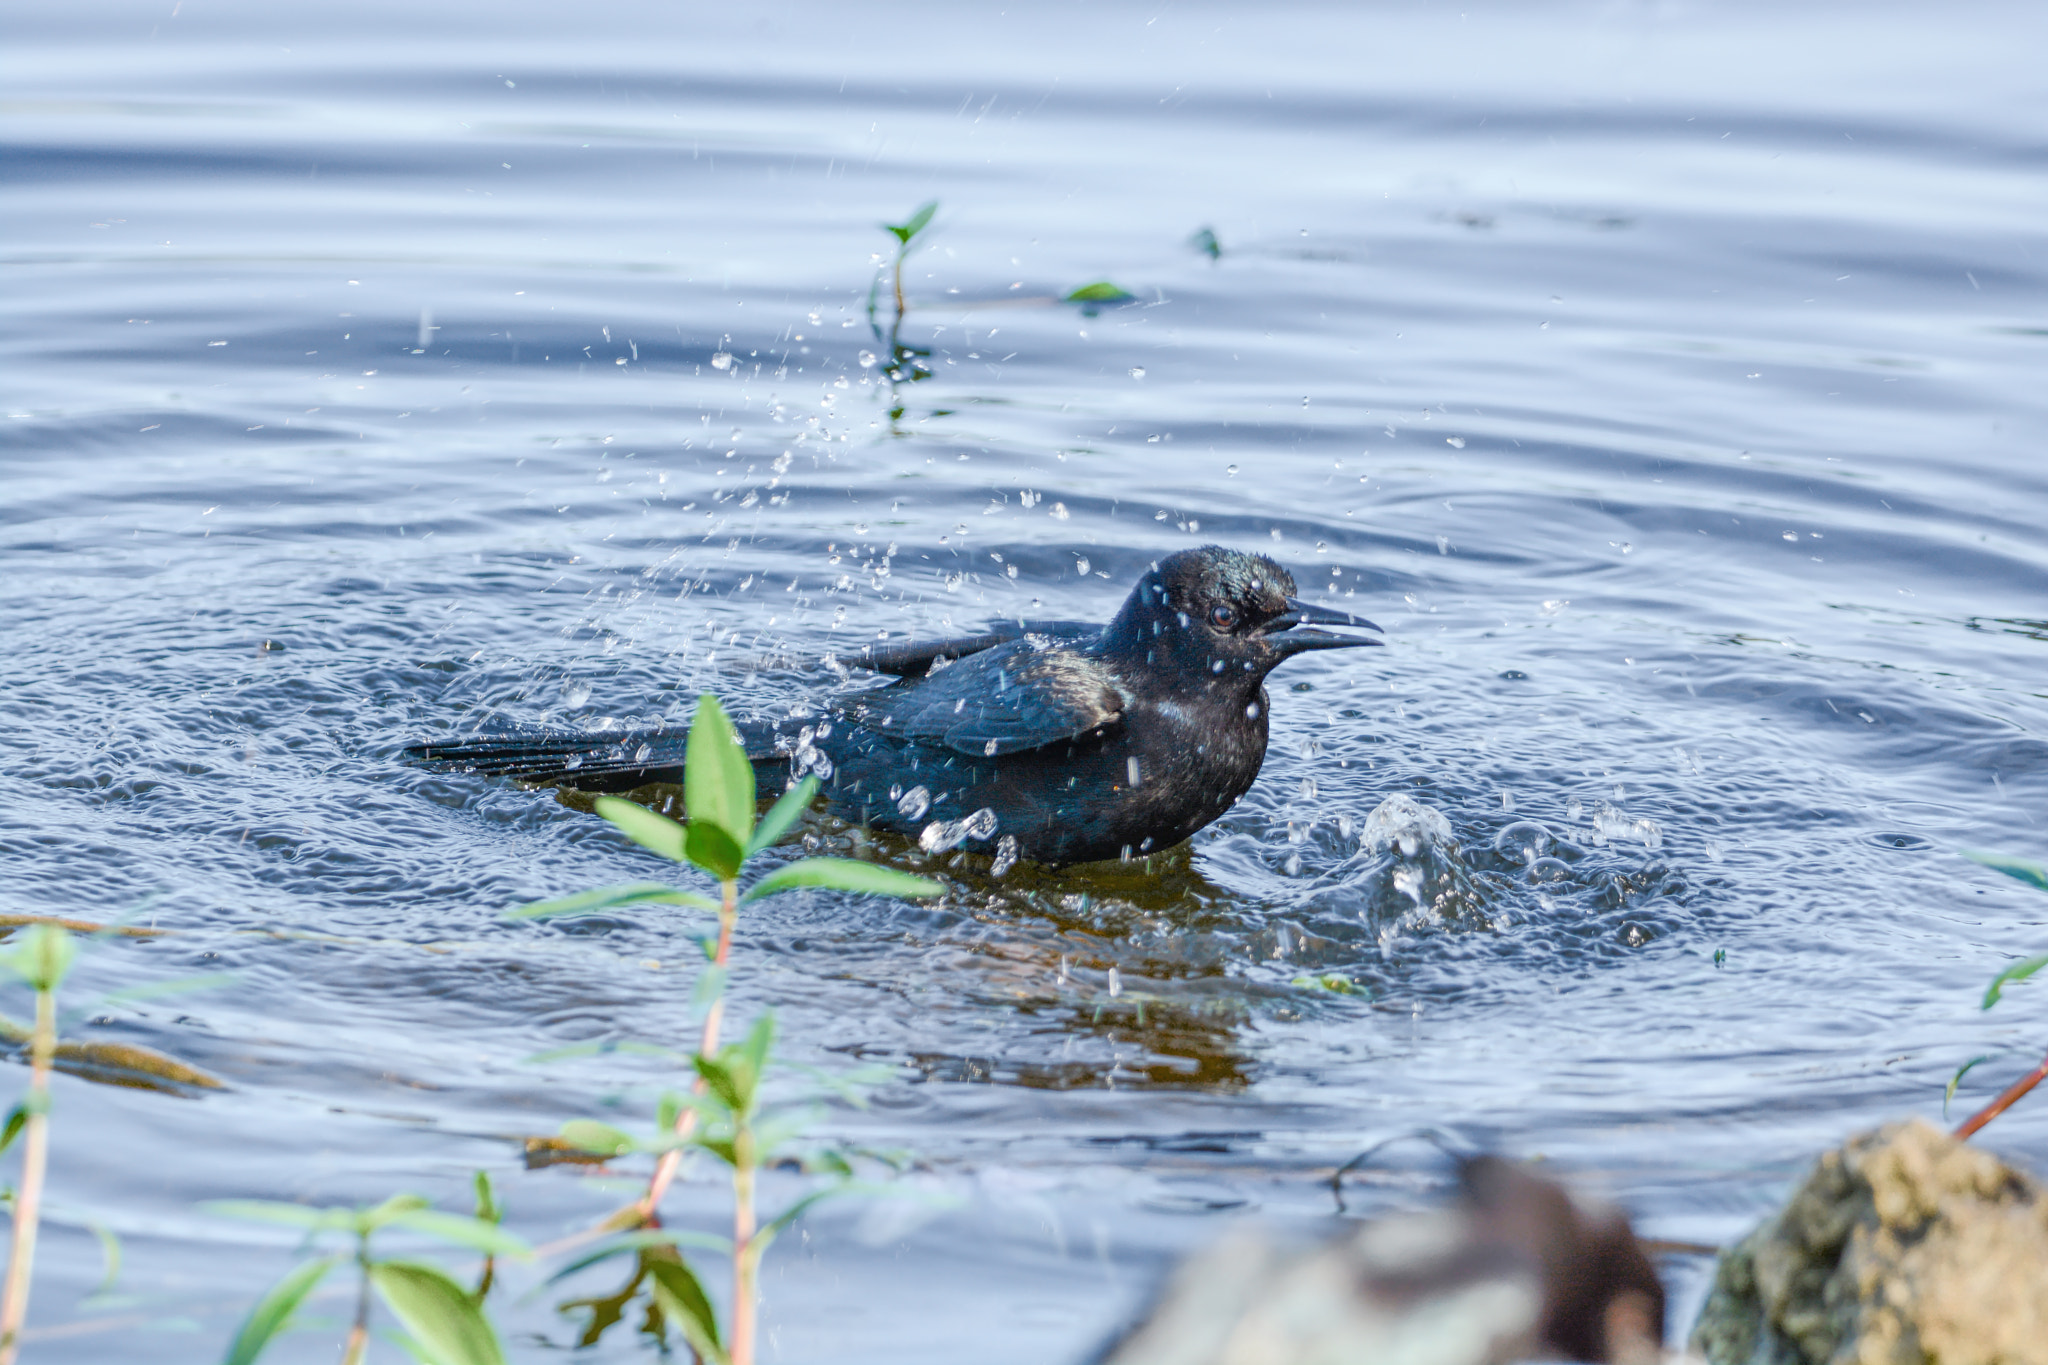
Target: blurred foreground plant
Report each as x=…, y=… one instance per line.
x=446, y=1322
x=41, y=959
x=723, y=1114
x=2035, y=876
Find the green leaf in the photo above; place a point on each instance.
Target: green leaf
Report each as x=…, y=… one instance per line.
x=636, y=1241
x=610, y=897
x=713, y=849
x=647, y=828
x=718, y=782
x=783, y=814
x=446, y=1323
x=488, y=1210
x=844, y=874
x=2033, y=874
x=905, y=231
x=390, y=1211
x=462, y=1230
x=720, y=1147
x=110, y=1257
x=754, y=1053
x=2018, y=971
x=1102, y=291
x=180, y=986
x=709, y=987
x=275, y=1309
x=599, y=1138
x=775, y=1227
x=43, y=956
x=17, y=1119
x=669, y=1111
x=718, y=1076
x=1957, y=1080
x=289, y=1215
x=684, y=1299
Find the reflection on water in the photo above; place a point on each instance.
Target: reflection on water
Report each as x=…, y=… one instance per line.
x=1665, y=381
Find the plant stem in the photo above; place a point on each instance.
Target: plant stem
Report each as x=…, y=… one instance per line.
x=1991, y=1110
x=35, y=1161
x=901, y=251
x=707, y=1046
x=746, y=1262
x=359, y=1335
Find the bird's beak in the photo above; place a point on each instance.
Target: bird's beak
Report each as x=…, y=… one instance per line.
x=1300, y=613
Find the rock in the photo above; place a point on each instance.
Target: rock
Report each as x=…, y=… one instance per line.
x=1517, y=1268
x=1904, y=1247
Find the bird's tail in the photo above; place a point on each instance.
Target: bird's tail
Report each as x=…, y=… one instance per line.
x=596, y=763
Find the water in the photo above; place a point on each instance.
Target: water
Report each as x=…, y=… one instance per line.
x=1665, y=378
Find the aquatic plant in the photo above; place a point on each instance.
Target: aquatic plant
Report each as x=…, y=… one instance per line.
x=905, y=363
x=446, y=1322
x=2036, y=876
x=723, y=1114
x=43, y=956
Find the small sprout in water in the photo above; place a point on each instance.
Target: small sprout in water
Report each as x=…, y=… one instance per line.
x=1204, y=241
x=916, y=223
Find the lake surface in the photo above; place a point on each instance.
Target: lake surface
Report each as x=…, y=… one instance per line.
x=1665, y=378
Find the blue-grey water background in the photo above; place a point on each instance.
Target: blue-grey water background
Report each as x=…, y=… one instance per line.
x=1665, y=377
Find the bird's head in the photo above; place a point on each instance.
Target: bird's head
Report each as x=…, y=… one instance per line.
x=1224, y=615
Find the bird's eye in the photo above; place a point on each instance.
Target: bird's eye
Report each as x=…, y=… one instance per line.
x=1223, y=616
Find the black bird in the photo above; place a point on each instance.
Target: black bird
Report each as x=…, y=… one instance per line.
x=1057, y=741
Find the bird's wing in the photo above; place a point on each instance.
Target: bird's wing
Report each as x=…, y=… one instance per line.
x=914, y=658
x=1017, y=696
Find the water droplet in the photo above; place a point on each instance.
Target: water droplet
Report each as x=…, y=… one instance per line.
x=980, y=825
x=1524, y=841
x=1059, y=511
x=722, y=361
x=1456, y=442
x=1116, y=983
x=1549, y=870
x=1006, y=858
x=914, y=803
x=1230, y=470
x=1080, y=564
x=1137, y=371
x=575, y=692
x=1308, y=789
x=867, y=360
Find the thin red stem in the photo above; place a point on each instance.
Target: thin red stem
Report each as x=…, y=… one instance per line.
x=707, y=1046
x=2004, y=1101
